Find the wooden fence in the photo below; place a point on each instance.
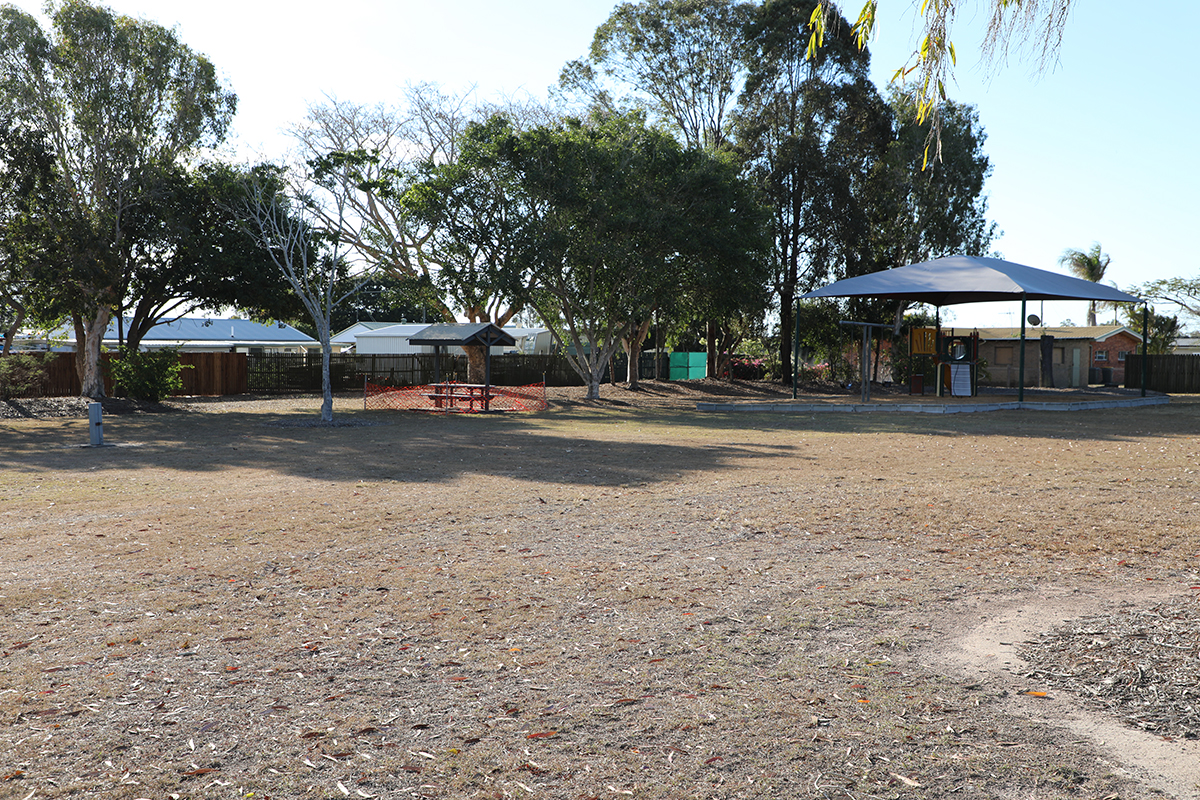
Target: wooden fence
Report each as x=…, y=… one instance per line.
x=210, y=374
x=1173, y=374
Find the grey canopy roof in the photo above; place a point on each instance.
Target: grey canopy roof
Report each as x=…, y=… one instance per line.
x=476, y=333
x=970, y=279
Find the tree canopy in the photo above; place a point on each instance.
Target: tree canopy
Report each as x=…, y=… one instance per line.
x=1090, y=266
x=117, y=99
x=1033, y=24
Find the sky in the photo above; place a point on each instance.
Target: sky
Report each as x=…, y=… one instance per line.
x=1099, y=148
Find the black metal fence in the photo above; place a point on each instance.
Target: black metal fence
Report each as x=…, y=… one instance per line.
x=284, y=373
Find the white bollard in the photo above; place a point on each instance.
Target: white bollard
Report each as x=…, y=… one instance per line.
x=96, y=424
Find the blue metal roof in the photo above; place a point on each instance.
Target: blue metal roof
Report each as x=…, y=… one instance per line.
x=201, y=329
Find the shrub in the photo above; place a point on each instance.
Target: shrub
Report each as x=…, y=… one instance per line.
x=22, y=374
x=745, y=368
x=147, y=374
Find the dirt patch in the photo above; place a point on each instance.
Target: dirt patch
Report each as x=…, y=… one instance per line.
x=599, y=600
x=1040, y=654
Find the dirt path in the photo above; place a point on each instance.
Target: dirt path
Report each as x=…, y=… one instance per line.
x=986, y=653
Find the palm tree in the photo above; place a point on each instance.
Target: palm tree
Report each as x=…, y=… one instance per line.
x=1090, y=266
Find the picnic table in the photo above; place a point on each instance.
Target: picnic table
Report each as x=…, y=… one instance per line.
x=456, y=395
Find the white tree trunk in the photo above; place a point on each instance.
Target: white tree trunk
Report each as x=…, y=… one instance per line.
x=326, y=382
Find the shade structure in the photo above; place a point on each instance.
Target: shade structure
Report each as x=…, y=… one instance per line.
x=462, y=334
x=970, y=279
x=976, y=279
x=465, y=334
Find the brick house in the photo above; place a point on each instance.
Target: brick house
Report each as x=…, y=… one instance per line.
x=1078, y=356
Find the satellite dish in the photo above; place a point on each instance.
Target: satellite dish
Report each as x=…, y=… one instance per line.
x=1035, y=320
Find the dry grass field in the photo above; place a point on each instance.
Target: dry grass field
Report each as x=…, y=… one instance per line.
x=616, y=599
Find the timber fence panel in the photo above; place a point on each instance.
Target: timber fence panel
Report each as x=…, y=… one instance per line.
x=213, y=374
x=1175, y=373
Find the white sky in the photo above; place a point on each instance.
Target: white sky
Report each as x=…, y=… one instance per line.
x=1103, y=148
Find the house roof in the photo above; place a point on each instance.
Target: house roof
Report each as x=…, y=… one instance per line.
x=210, y=331
x=348, y=334
x=401, y=329
x=1091, y=333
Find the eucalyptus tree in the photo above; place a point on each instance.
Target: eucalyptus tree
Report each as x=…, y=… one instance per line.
x=116, y=98
x=27, y=209
x=679, y=59
x=388, y=151
x=287, y=219
x=682, y=62
x=810, y=128
x=1179, y=291
x=921, y=211
x=1090, y=266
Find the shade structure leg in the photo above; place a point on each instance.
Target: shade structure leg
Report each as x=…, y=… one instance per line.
x=866, y=364
x=1145, y=346
x=1021, y=367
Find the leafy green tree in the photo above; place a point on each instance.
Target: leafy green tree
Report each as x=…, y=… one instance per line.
x=682, y=60
x=611, y=202
x=809, y=130
x=27, y=207
x=1163, y=329
x=921, y=212
x=720, y=275
x=1090, y=266
x=190, y=248
x=117, y=99
x=483, y=226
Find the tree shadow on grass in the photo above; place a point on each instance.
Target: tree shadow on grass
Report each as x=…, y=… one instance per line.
x=404, y=447
x=590, y=446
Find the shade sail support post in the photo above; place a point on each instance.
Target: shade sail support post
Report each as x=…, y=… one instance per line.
x=1021, y=368
x=865, y=359
x=1145, y=346
x=795, y=349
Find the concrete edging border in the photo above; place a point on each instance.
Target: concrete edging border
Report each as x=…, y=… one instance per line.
x=932, y=408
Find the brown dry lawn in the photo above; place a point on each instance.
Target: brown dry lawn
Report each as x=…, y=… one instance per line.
x=624, y=598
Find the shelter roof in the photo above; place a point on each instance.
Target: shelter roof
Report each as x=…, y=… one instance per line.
x=468, y=333
x=970, y=279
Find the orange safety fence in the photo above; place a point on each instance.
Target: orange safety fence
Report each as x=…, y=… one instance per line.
x=425, y=398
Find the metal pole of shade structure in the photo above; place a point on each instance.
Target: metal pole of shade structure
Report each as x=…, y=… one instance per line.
x=1021, y=368
x=487, y=376
x=795, y=348
x=866, y=364
x=95, y=424
x=1145, y=346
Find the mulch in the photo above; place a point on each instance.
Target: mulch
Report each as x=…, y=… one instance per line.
x=1140, y=664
